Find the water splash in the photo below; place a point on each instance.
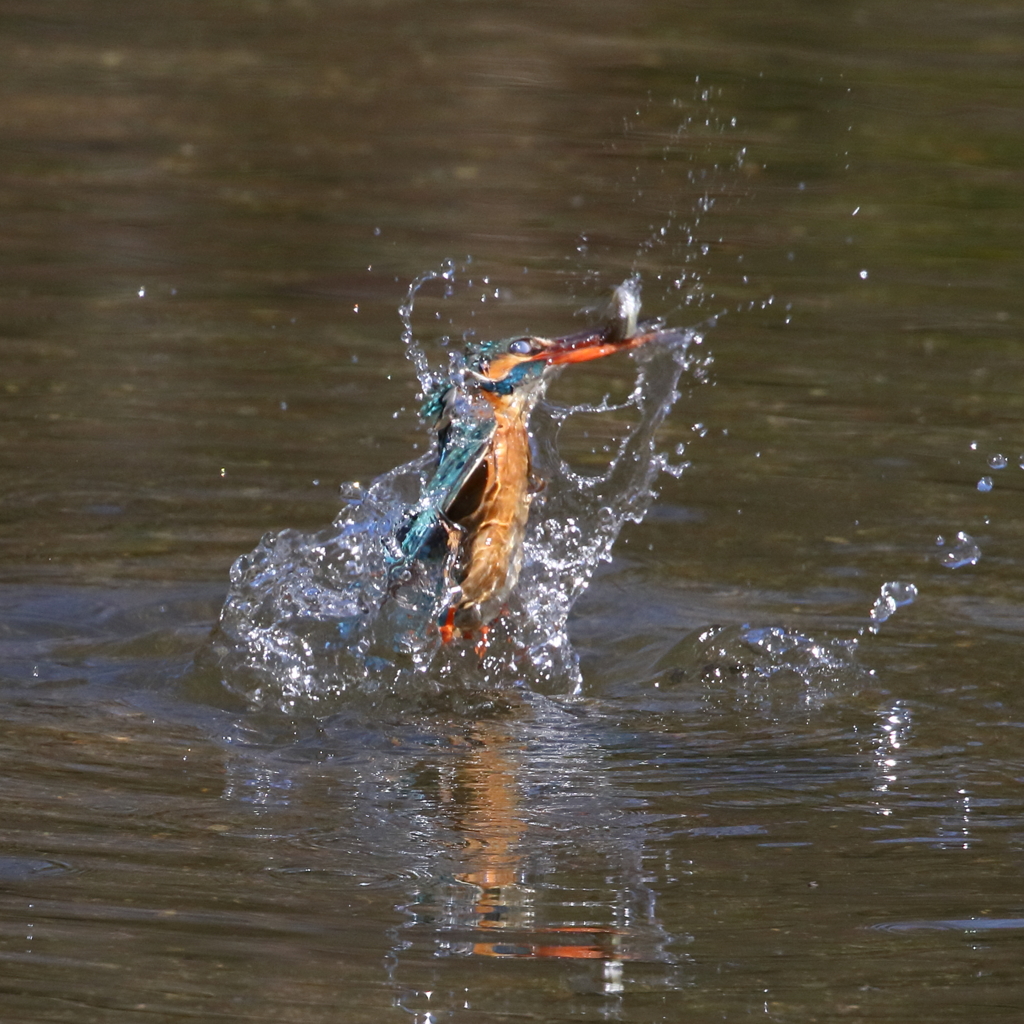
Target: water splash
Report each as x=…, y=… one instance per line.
x=429, y=376
x=314, y=617
x=769, y=671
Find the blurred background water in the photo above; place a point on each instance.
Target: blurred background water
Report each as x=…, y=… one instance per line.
x=211, y=215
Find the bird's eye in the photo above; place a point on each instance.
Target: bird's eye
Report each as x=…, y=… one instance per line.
x=521, y=347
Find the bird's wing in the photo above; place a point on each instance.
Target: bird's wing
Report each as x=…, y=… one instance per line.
x=467, y=427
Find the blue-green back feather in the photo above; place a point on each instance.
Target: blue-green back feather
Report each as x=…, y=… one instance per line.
x=466, y=427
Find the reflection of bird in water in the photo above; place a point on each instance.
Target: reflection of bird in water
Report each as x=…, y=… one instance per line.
x=492, y=823
x=476, y=503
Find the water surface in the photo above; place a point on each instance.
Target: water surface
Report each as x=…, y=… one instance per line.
x=211, y=217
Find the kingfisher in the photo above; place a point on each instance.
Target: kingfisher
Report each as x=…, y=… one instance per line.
x=475, y=503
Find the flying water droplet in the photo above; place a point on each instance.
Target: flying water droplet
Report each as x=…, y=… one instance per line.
x=966, y=552
x=985, y=484
x=997, y=462
x=892, y=595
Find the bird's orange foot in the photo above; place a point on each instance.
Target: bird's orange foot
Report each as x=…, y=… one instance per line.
x=447, y=629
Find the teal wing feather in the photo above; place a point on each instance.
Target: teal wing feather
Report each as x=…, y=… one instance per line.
x=466, y=428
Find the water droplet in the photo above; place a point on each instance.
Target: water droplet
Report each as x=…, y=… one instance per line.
x=142, y=293
x=985, y=484
x=892, y=595
x=863, y=275
x=966, y=552
x=998, y=462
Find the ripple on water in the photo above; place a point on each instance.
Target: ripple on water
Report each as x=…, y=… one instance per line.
x=23, y=869
x=770, y=671
x=968, y=925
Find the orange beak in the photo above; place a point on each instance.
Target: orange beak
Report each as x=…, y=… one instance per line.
x=586, y=345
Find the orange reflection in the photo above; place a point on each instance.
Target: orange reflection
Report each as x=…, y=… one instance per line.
x=488, y=801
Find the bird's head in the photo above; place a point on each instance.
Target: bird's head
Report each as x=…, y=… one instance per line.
x=503, y=367
x=520, y=366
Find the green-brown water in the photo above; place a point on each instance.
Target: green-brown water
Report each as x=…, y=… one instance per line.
x=211, y=214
